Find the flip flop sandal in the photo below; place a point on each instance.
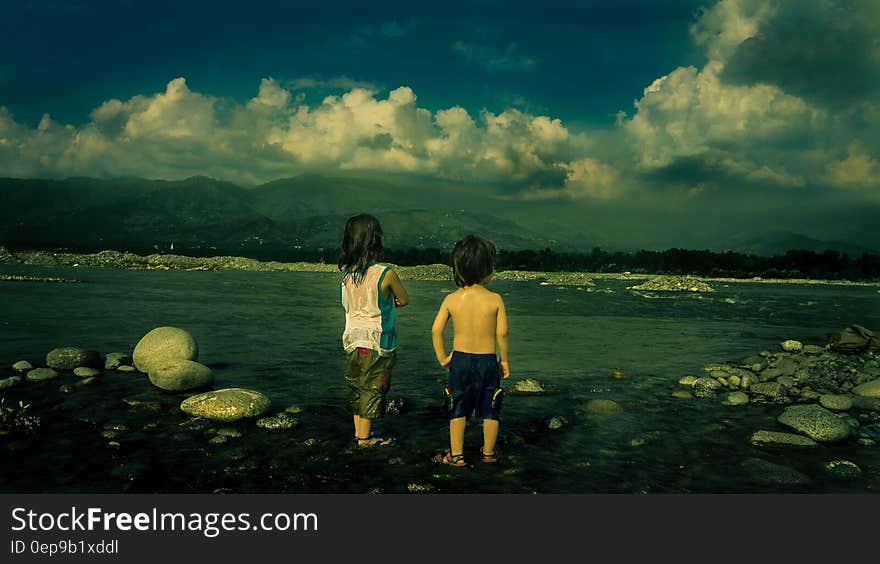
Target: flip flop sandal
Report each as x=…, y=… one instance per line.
x=490, y=458
x=371, y=441
x=449, y=459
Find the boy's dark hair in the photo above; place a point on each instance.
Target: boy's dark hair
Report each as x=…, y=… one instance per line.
x=473, y=259
x=362, y=244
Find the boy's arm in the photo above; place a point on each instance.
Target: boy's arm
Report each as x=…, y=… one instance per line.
x=392, y=282
x=501, y=335
x=437, y=335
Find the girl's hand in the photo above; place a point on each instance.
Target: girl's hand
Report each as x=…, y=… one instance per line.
x=397, y=302
x=505, y=369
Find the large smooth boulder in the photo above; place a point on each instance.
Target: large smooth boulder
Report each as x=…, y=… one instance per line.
x=228, y=404
x=164, y=344
x=68, y=358
x=181, y=375
x=816, y=422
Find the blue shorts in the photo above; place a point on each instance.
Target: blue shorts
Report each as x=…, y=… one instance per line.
x=474, y=385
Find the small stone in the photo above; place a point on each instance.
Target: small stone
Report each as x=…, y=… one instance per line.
x=618, y=375
x=771, y=438
x=602, y=406
x=556, y=422
x=293, y=409
x=682, y=394
x=282, y=421
x=835, y=402
x=843, y=469
x=816, y=422
x=219, y=440
x=706, y=387
x=126, y=368
x=22, y=366
x=10, y=382
x=734, y=380
x=85, y=371
x=66, y=388
x=737, y=398
x=687, y=380
x=68, y=358
x=116, y=359
x=813, y=349
x=868, y=389
x=529, y=386
x=792, y=346
x=39, y=374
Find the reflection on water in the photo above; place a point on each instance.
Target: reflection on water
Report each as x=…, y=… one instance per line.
x=279, y=333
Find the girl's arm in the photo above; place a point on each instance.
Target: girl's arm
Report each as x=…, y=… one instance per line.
x=392, y=282
x=437, y=335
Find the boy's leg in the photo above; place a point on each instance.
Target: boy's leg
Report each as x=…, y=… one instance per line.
x=456, y=435
x=490, y=435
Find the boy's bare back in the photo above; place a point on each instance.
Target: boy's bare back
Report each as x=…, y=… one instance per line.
x=480, y=322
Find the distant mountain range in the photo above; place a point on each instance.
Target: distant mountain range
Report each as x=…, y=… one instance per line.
x=208, y=216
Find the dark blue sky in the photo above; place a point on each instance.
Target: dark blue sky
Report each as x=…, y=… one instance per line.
x=578, y=61
x=714, y=110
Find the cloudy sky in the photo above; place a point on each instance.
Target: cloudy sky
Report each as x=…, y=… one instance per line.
x=725, y=101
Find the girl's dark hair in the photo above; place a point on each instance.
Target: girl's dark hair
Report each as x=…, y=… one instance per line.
x=362, y=244
x=473, y=259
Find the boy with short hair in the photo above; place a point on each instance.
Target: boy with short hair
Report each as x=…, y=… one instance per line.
x=480, y=323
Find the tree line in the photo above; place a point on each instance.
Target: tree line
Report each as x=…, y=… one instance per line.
x=796, y=263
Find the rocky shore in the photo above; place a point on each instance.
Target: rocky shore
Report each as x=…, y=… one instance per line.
x=127, y=260
x=825, y=398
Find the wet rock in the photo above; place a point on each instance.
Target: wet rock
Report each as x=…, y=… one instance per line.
x=86, y=371
x=770, y=374
x=835, y=402
x=868, y=389
x=768, y=473
x=116, y=359
x=228, y=404
x=229, y=432
x=164, y=344
x=394, y=406
x=687, y=380
x=816, y=422
x=7, y=383
x=126, y=368
x=737, y=398
x=529, y=386
x=22, y=366
x=843, y=469
x=791, y=346
x=813, y=349
x=420, y=488
x=87, y=381
x=557, y=422
x=68, y=358
x=674, y=284
x=787, y=366
x=772, y=390
x=67, y=388
x=682, y=394
x=602, y=406
x=282, y=421
x=180, y=375
x=219, y=440
x=294, y=409
x=706, y=387
x=862, y=402
x=618, y=375
x=39, y=374
x=775, y=438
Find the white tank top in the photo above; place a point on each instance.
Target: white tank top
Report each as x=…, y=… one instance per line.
x=369, y=317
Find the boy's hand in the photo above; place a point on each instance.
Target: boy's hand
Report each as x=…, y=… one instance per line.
x=505, y=369
x=445, y=362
